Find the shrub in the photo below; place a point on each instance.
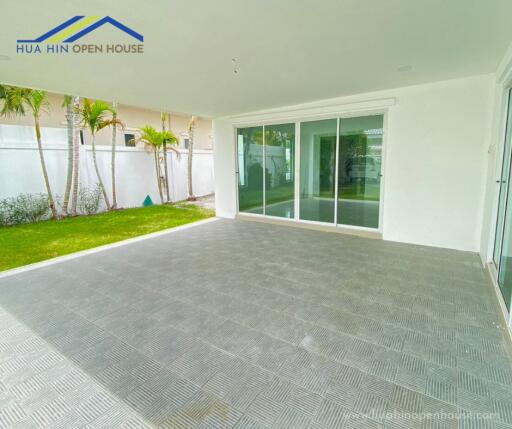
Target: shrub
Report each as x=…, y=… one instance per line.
x=24, y=208
x=89, y=200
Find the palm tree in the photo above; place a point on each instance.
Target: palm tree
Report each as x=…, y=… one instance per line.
x=68, y=104
x=191, y=129
x=16, y=101
x=113, y=160
x=155, y=141
x=76, y=152
x=169, y=141
x=164, y=117
x=95, y=116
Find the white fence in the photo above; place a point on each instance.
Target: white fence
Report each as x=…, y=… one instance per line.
x=20, y=168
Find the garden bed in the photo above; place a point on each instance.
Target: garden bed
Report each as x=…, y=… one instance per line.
x=29, y=243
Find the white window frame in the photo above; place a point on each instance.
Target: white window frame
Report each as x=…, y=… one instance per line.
x=285, y=119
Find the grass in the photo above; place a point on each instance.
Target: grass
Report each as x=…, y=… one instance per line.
x=26, y=244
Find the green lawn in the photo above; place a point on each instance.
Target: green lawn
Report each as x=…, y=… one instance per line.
x=25, y=244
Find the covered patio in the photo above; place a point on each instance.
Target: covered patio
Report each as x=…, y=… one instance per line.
x=243, y=324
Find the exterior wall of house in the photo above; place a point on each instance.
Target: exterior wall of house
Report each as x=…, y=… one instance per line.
x=133, y=117
x=435, y=163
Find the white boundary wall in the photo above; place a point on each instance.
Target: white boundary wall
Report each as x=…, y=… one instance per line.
x=20, y=169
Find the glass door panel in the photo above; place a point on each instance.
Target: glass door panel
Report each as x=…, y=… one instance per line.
x=503, y=241
x=505, y=270
x=359, y=167
x=505, y=169
x=317, y=170
x=279, y=170
x=250, y=169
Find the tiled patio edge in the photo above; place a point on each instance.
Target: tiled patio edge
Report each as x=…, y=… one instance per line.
x=75, y=255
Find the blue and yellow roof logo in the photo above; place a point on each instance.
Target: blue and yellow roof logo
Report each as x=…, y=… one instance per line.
x=79, y=26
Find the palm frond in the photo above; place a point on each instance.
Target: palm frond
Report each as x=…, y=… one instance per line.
x=114, y=122
x=95, y=114
x=38, y=101
x=169, y=141
x=67, y=101
x=150, y=137
x=13, y=100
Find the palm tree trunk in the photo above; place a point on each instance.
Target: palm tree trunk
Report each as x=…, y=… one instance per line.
x=100, y=182
x=191, y=196
x=51, y=201
x=76, y=153
x=158, y=181
x=166, y=169
x=70, y=126
x=166, y=174
x=114, y=196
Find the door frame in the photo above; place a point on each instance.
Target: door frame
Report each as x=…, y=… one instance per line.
x=503, y=93
x=297, y=119
x=505, y=125
x=500, y=166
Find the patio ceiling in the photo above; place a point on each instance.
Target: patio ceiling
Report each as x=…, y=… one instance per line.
x=285, y=52
x=238, y=324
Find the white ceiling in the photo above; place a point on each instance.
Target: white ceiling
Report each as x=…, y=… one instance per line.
x=288, y=51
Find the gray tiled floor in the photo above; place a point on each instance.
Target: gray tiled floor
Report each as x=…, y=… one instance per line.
x=237, y=324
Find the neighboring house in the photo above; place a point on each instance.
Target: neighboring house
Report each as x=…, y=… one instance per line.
x=133, y=117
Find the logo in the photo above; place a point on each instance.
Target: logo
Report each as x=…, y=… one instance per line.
x=65, y=38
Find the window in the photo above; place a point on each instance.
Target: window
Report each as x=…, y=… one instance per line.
x=317, y=170
x=503, y=240
x=265, y=170
x=250, y=169
x=338, y=172
x=359, y=165
x=129, y=139
x=279, y=165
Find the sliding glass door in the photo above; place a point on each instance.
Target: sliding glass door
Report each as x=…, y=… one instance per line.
x=317, y=170
x=250, y=169
x=359, y=167
x=266, y=170
x=279, y=170
x=339, y=171
x=503, y=241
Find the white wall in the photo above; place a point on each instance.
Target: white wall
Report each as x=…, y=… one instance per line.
x=435, y=163
x=224, y=165
x=20, y=169
x=435, y=157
